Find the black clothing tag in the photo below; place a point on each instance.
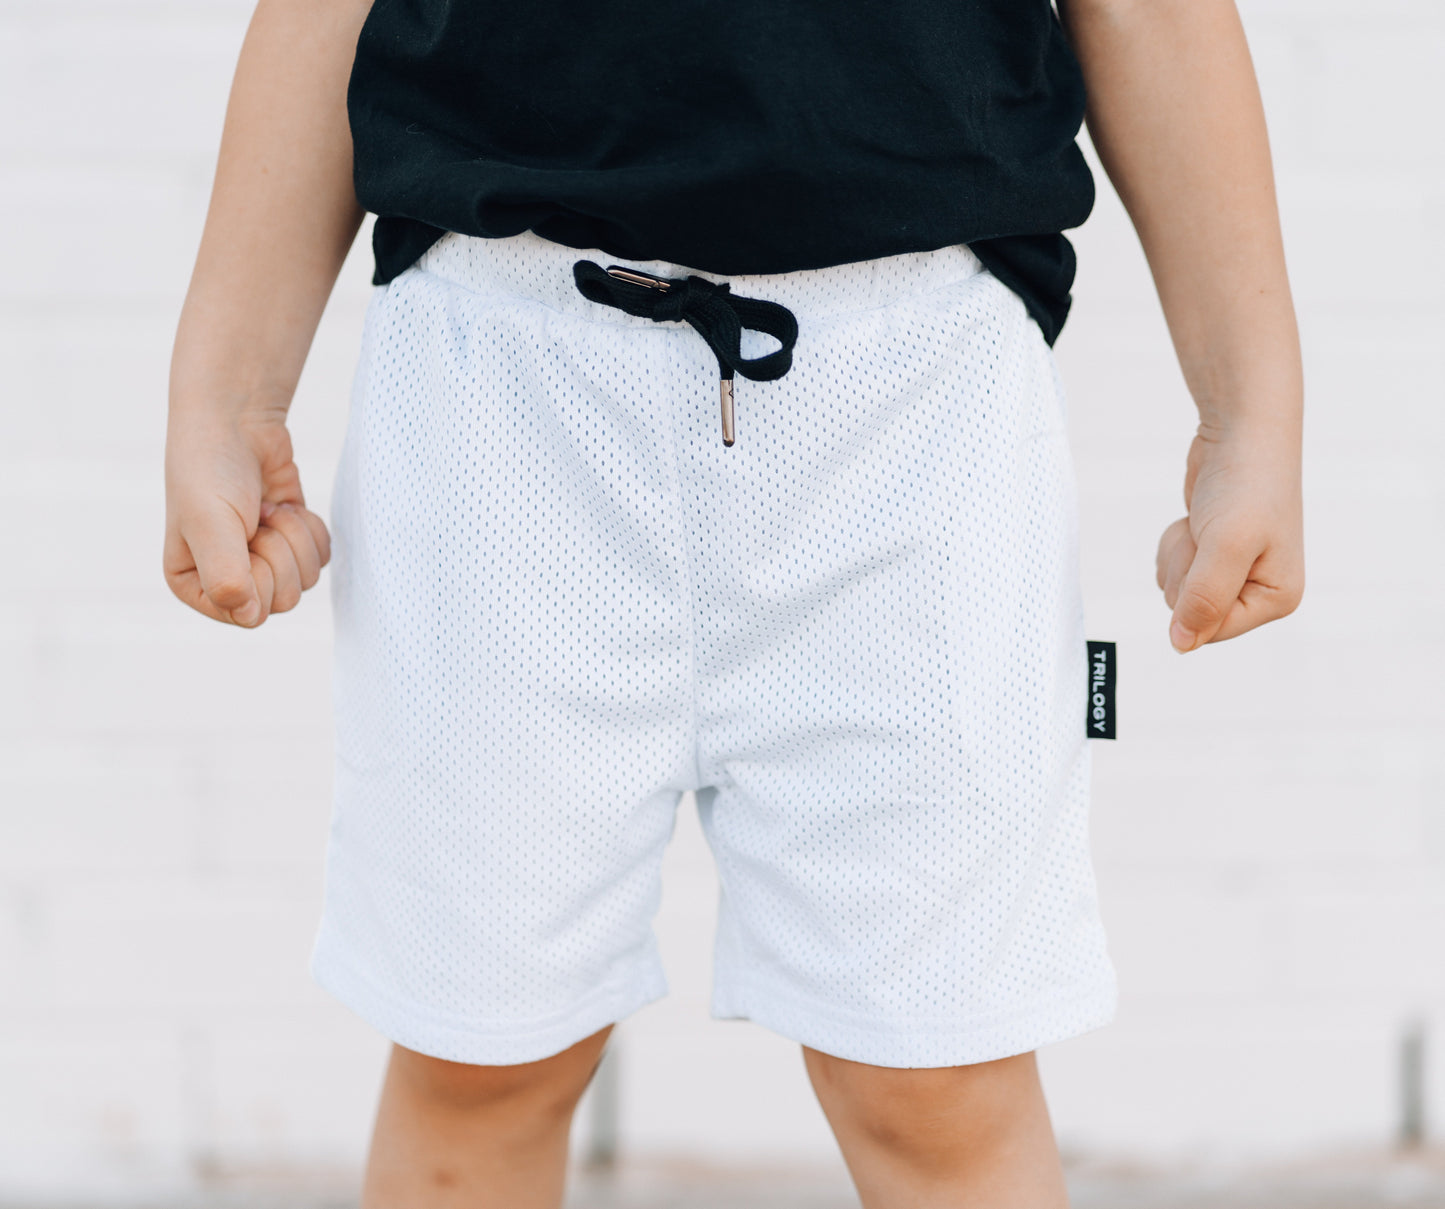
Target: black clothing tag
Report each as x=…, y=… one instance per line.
x=1103, y=669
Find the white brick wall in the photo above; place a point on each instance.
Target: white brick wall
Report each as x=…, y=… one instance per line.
x=1270, y=828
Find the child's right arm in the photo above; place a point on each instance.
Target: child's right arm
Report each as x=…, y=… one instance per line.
x=240, y=543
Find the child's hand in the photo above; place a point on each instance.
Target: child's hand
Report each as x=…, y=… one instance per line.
x=1237, y=560
x=240, y=543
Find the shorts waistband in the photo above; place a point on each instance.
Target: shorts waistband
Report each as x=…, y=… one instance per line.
x=528, y=266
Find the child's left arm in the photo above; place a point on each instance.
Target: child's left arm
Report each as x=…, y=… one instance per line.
x=1175, y=115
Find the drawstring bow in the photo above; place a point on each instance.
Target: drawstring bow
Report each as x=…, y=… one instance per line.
x=717, y=314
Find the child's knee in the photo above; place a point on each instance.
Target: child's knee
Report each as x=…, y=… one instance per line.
x=546, y=1090
x=949, y=1110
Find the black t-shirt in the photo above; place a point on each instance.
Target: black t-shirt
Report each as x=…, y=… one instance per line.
x=729, y=136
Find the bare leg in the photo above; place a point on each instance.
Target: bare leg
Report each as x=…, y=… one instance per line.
x=950, y=1136
x=453, y=1136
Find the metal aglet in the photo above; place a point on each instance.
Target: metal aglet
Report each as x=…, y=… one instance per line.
x=729, y=435
x=638, y=277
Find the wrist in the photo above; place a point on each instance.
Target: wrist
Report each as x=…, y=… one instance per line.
x=1244, y=367
x=229, y=365
x=211, y=391
x=1262, y=401
x=1254, y=422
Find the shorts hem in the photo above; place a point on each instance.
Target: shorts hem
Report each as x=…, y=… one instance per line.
x=483, y=1042
x=1068, y=1013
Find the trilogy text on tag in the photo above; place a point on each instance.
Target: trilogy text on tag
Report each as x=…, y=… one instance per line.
x=1103, y=674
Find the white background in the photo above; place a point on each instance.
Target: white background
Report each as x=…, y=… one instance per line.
x=1269, y=828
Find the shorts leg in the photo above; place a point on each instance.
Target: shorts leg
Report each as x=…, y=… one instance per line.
x=892, y=675
x=513, y=694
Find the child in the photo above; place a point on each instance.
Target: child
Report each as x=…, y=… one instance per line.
x=840, y=602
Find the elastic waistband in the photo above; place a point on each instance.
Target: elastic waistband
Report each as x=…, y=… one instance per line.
x=528, y=266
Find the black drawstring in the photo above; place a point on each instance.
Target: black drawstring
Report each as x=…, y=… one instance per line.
x=710, y=306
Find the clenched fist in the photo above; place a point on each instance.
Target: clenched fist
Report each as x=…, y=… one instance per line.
x=240, y=543
x=1237, y=560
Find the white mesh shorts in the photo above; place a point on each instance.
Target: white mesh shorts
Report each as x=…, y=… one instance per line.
x=857, y=634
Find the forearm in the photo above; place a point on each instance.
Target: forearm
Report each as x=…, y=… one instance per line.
x=1175, y=115
x=282, y=217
